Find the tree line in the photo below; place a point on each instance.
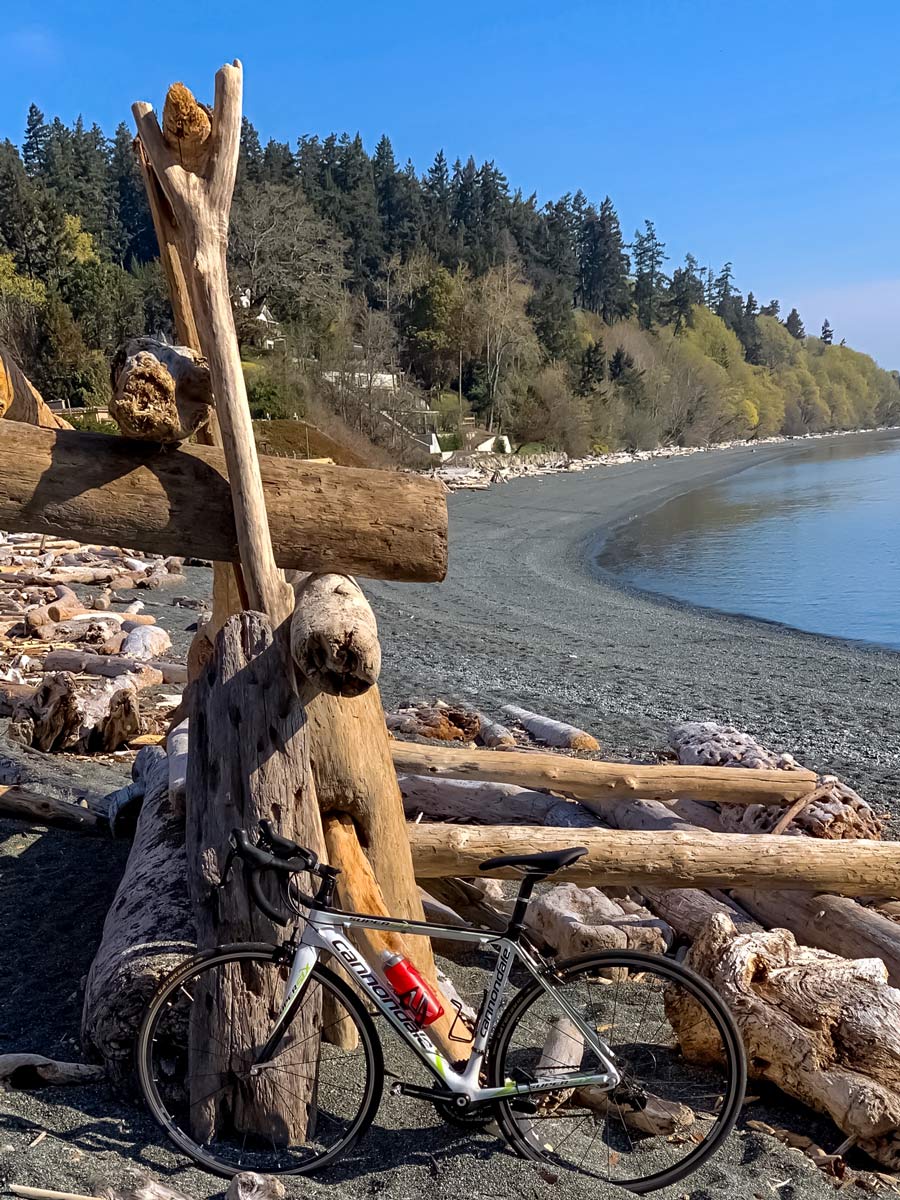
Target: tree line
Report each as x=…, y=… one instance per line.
x=540, y=319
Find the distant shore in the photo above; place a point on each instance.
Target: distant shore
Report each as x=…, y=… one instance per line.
x=526, y=616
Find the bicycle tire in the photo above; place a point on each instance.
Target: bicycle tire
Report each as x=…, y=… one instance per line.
x=267, y=954
x=698, y=989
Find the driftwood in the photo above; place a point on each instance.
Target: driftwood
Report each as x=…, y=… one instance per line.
x=821, y=1028
x=586, y=779
x=493, y=734
x=552, y=733
x=66, y=605
x=34, y=1070
x=334, y=637
x=19, y=398
x=161, y=393
x=13, y=695
x=112, y=665
x=708, y=744
x=149, y=929
x=471, y=802
x=24, y=805
x=834, y=923
x=248, y=761
x=63, y=715
x=698, y=859
x=97, y=631
x=574, y=920
x=146, y=642
x=443, y=722
x=322, y=518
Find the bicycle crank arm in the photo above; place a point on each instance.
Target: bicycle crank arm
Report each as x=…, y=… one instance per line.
x=425, y=1093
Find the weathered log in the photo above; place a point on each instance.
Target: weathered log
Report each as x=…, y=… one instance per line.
x=586, y=779
x=12, y=695
x=708, y=744
x=149, y=929
x=334, y=637
x=66, y=605
x=552, y=733
x=61, y=715
x=19, y=398
x=471, y=802
x=124, y=493
x=113, y=665
x=248, y=761
x=675, y=859
x=34, y=1070
x=24, y=805
x=820, y=1027
x=146, y=642
x=834, y=923
x=96, y=632
x=575, y=920
x=493, y=734
x=444, y=722
x=161, y=393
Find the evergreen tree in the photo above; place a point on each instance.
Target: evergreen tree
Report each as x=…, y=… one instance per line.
x=604, y=264
x=648, y=256
x=551, y=313
x=794, y=325
x=827, y=334
x=250, y=155
x=592, y=370
x=771, y=309
x=436, y=207
x=685, y=291
x=277, y=164
x=34, y=147
x=137, y=238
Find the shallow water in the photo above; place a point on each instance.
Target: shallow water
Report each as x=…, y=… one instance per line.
x=811, y=541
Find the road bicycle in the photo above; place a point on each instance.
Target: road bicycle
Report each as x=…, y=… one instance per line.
x=621, y=1066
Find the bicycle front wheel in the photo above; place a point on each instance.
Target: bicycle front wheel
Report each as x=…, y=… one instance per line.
x=231, y=1107
x=673, y=1042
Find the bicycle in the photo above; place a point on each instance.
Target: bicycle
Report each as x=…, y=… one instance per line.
x=260, y=1057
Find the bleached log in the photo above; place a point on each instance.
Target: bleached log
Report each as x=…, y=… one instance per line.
x=146, y=642
x=472, y=802
x=61, y=715
x=334, y=636
x=822, y=1028
x=575, y=920
x=112, y=665
x=22, y=804
x=161, y=393
x=322, y=518
x=66, y=605
x=672, y=859
x=708, y=744
x=177, y=748
x=149, y=929
x=96, y=632
x=552, y=733
x=834, y=923
x=35, y=1070
x=587, y=779
x=493, y=734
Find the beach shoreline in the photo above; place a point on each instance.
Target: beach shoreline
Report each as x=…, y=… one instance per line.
x=527, y=615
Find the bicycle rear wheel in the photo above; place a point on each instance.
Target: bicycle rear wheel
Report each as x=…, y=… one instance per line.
x=199, y=1068
x=680, y=1093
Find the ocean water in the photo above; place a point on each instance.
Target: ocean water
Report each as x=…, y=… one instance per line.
x=812, y=541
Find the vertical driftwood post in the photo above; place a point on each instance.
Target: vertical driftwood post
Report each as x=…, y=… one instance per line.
x=248, y=761
x=249, y=755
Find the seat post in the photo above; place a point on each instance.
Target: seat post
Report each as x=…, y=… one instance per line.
x=517, y=920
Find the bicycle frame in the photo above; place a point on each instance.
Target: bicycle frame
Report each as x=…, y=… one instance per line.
x=326, y=931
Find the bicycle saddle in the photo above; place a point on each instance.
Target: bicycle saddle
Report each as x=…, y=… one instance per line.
x=537, y=864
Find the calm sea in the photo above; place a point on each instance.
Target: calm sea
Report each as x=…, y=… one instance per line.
x=811, y=541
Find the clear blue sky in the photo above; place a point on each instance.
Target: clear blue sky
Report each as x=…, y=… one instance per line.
x=765, y=133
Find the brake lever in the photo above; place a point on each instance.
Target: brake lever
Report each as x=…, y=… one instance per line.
x=229, y=864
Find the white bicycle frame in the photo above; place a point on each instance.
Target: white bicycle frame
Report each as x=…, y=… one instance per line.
x=326, y=931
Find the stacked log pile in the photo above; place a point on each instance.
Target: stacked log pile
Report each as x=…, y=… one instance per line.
x=72, y=666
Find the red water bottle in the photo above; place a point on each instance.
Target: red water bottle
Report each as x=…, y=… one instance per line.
x=412, y=991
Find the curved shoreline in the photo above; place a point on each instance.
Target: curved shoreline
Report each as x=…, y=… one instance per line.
x=526, y=616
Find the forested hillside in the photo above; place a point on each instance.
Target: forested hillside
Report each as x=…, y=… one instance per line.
x=545, y=320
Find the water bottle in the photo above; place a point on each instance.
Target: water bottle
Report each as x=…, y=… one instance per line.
x=412, y=991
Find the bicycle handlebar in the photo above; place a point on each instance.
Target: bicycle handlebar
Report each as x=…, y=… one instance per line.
x=279, y=854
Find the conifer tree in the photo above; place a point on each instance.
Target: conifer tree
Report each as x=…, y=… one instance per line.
x=794, y=325
x=827, y=334
x=34, y=146
x=648, y=256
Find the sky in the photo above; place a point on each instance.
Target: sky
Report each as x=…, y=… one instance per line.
x=761, y=133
